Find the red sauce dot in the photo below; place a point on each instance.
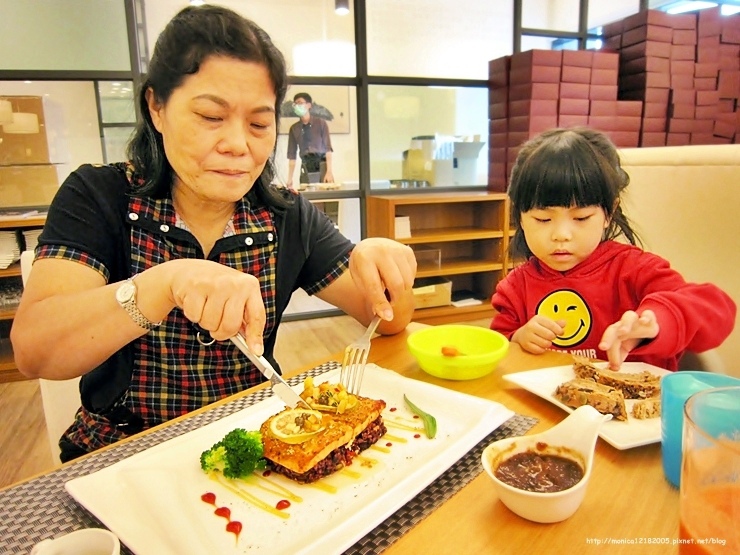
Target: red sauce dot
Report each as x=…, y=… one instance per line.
x=417, y=436
x=224, y=512
x=389, y=444
x=267, y=473
x=393, y=409
x=235, y=527
x=209, y=498
x=416, y=416
x=282, y=504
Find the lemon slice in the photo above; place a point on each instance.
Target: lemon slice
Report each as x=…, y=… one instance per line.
x=296, y=425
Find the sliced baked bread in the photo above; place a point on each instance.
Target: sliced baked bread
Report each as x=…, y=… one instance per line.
x=605, y=399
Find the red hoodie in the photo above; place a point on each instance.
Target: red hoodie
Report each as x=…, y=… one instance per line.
x=598, y=291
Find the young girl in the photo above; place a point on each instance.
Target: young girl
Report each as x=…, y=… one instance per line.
x=581, y=291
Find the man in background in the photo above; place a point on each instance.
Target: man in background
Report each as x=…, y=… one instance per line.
x=311, y=136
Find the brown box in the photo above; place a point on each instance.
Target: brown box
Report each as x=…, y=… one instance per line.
x=603, y=108
x=498, y=140
x=682, y=67
x=684, y=36
x=683, y=52
x=682, y=111
x=613, y=42
x=432, y=291
x=574, y=106
x=709, y=23
x=729, y=55
x=652, y=125
x=496, y=96
x=578, y=58
x=497, y=155
x=728, y=84
x=724, y=129
x=534, y=74
x=711, y=41
x=709, y=111
x=654, y=109
x=533, y=124
x=702, y=126
x=677, y=139
x=705, y=83
x=682, y=82
x=537, y=58
x=498, y=110
x=533, y=107
x=535, y=91
x=572, y=120
x=603, y=92
x=726, y=105
x=516, y=139
x=629, y=108
x=645, y=80
x=499, y=65
x=575, y=90
x=604, y=76
x=730, y=35
x=702, y=139
x=647, y=48
x=28, y=185
x=683, y=97
x=706, y=69
x=624, y=139
x=646, y=63
x=575, y=74
x=683, y=21
x=706, y=97
x=651, y=17
x=647, y=95
x=611, y=123
x=676, y=125
x=647, y=33
x=25, y=148
x=498, y=79
x=605, y=60
x=652, y=139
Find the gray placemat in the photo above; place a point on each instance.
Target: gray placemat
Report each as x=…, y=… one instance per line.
x=41, y=508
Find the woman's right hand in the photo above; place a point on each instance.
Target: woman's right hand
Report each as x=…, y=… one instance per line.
x=537, y=335
x=218, y=298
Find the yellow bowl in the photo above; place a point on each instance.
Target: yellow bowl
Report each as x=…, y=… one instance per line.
x=479, y=350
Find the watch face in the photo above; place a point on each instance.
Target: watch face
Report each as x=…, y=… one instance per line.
x=125, y=292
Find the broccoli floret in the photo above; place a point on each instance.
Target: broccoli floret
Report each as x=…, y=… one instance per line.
x=237, y=455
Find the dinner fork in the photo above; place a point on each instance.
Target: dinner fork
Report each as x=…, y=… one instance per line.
x=355, y=358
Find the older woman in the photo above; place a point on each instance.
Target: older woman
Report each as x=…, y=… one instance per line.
x=139, y=261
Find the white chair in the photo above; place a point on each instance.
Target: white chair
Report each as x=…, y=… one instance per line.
x=60, y=398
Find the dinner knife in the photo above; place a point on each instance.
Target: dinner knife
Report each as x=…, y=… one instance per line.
x=279, y=386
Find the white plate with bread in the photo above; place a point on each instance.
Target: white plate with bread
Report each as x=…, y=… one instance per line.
x=623, y=432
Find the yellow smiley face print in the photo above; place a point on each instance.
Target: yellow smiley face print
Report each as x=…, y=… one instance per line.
x=569, y=306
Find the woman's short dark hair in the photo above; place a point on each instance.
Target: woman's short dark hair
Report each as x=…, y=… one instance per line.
x=578, y=166
x=193, y=35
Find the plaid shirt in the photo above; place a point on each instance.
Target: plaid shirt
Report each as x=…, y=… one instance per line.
x=173, y=373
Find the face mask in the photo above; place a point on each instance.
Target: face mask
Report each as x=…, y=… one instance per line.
x=300, y=110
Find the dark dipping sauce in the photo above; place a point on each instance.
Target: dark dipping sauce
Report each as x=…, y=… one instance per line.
x=539, y=473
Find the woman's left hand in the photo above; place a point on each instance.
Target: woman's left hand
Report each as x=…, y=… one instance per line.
x=626, y=334
x=380, y=265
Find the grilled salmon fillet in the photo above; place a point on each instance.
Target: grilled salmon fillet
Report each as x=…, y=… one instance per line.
x=340, y=430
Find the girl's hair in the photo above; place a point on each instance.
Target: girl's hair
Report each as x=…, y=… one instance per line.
x=193, y=35
x=568, y=167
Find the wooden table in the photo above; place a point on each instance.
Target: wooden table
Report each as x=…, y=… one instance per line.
x=629, y=506
x=628, y=497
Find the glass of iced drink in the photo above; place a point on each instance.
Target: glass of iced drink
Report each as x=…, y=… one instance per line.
x=710, y=473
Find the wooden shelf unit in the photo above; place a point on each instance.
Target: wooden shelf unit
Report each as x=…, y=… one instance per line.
x=8, y=370
x=471, y=231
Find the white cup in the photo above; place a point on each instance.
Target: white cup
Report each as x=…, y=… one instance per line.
x=88, y=541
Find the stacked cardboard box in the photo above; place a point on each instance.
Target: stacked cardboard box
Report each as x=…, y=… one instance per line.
x=661, y=79
x=536, y=90
x=686, y=70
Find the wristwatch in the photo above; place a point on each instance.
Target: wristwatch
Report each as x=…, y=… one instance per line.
x=126, y=297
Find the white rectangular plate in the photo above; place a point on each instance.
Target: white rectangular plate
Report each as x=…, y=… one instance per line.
x=620, y=434
x=152, y=500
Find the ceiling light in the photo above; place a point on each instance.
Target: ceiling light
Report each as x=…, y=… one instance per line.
x=341, y=7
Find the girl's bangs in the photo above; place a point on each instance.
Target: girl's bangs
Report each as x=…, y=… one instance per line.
x=561, y=179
